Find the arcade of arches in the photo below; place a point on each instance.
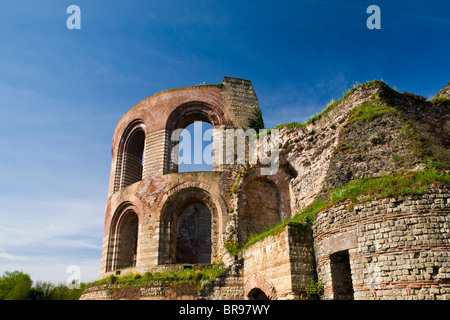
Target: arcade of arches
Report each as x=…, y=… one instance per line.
x=159, y=214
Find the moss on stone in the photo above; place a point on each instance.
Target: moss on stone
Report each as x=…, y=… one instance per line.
x=367, y=112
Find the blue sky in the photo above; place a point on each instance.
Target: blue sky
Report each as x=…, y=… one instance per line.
x=62, y=91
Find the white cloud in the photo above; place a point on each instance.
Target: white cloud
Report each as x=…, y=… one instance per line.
x=43, y=237
x=53, y=269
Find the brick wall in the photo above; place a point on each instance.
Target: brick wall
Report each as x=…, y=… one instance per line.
x=241, y=97
x=155, y=150
x=397, y=248
x=132, y=169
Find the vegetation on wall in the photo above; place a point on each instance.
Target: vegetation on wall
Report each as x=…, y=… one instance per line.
x=367, y=112
x=314, y=289
x=196, y=278
x=17, y=285
x=256, y=122
x=332, y=105
x=439, y=100
x=232, y=246
x=204, y=84
x=360, y=191
x=239, y=177
x=435, y=158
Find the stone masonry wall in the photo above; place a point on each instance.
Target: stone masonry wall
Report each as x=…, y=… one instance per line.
x=280, y=264
x=241, y=97
x=309, y=149
x=329, y=151
x=398, y=248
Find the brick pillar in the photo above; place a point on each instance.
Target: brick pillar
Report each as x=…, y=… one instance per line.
x=155, y=154
x=114, y=176
x=242, y=98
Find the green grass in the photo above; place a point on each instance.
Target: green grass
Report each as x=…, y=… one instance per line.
x=439, y=99
x=204, y=84
x=289, y=125
x=394, y=185
x=362, y=190
x=367, y=112
x=324, y=112
x=331, y=106
x=256, y=122
x=191, y=276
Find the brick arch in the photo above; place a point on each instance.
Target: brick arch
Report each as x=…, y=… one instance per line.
x=189, y=182
x=272, y=188
x=184, y=115
x=228, y=105
x=127, y=165
x=281, y=179
x=156, y=109
x=123, y=238
x=172, y=206
x=259, y=281
x=191, y=111
x=135, y=116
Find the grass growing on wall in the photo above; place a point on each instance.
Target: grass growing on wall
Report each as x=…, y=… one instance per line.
x=362, y=190
x=191, y=276
x=367, y=112
x=331, y=105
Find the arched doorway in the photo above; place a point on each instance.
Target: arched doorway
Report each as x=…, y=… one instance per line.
x=258, y=287
x=126, y=239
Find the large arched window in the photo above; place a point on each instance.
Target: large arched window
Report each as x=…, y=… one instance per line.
x=133, y=156
x=130, y=156
x=189, y=131
x=195, y=147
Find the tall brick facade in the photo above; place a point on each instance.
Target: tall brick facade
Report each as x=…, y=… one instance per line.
x=144, y=176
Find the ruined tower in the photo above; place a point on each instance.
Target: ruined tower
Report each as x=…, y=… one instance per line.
x=150, y=205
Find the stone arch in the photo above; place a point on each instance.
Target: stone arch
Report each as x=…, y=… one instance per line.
x=260, y=206
x=179, y=119
x=263, y=201
x=171, y=215
x=258, y=281
x=130, y=155
x=123, y=238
